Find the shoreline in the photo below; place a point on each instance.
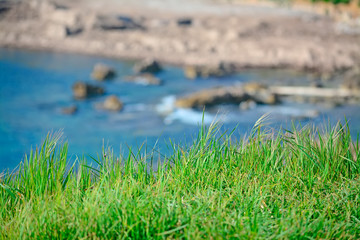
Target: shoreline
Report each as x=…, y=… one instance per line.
x=245, y=39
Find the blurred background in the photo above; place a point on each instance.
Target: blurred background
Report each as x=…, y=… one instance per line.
x=135, y=74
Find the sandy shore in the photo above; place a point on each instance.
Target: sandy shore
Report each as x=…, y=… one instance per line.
x=182, y=32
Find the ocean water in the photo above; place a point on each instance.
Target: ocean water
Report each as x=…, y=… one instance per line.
x=35, y=86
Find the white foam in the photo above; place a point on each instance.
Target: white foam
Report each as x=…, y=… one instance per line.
x=189, y=116
x=167, y=105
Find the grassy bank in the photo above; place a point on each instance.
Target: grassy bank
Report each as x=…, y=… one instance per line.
x=299, y=184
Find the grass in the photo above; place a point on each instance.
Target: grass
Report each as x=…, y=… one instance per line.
x=298, y=184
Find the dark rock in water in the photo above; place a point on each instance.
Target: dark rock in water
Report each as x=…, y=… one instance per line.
x=102, y=72
x=112, y=103
x=211, y=97
x=260, y=93
x=116, y=23
x=83, y=90
x=219, y=70
x=69, y=110
x=184, y=22
x=147, y=66
x=257, y=93
x=352, y=79
x=265, y=97
x=144, y=79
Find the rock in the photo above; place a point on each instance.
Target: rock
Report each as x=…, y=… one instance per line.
x=66, y=17
x=69, y=110
x=253, y=87
x=157, y=23
x=247, y=105
x=42, y=6
x=144, y=79
x=102, y=72
x=228, y=95
x=83, y=90
x=214, y=71
x=147, y=66
x=4, y=7
x=18, y=10
x=352, y=79
x=265, y=97
x=211, y=97
x=56, y=31
x=61, y=21
x=317, y=84
x=112, y=103
x=220, y=70
x=191, y=72
x=326, y=76
x=184, y=22
x=116, y=23
x=260, y=93
x=73, y=30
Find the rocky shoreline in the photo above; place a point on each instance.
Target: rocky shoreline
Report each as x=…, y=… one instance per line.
x=243, y=39
x=206, y=44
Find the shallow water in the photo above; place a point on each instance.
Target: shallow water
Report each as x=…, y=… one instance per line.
x=36, y=85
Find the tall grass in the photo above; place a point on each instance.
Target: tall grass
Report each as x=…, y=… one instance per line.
x=297, y=184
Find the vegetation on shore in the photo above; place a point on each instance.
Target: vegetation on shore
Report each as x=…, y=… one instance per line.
x=298, y=184
x=337, y=1
x=332, y=1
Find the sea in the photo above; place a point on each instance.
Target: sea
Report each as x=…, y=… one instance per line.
x=35, y=86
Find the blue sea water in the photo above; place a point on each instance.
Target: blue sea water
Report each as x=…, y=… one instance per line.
x=35, y=86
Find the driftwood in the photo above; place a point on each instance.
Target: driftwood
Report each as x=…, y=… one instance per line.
x=315, y=92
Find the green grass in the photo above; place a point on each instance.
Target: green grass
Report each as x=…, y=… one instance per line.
x=298, y=184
